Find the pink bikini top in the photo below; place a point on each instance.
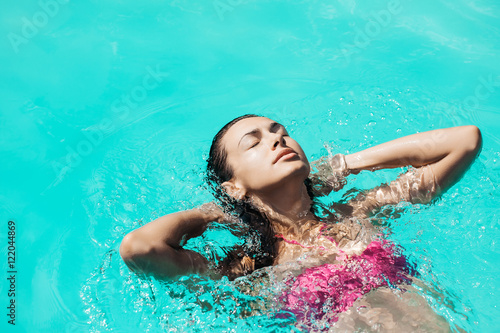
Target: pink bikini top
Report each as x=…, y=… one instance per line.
x=329, y=289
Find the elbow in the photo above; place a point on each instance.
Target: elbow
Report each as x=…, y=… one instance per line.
x=144, y=256
x=133, y=247
x=473, y=140
x=126, y=247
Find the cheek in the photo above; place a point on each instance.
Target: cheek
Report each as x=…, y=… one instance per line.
x=249, y=167
x=255, y=162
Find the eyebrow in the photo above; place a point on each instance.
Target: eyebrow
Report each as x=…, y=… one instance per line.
x=273, y=126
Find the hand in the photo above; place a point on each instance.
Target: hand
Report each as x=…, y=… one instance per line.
x=330, y=175
x=339, y=166
x=215, y=213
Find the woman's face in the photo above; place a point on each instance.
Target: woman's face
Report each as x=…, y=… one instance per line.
x=263, y=156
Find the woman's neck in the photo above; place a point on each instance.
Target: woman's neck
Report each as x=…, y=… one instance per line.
x=288, y=210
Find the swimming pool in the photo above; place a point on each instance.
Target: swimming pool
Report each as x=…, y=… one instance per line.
x=108, y=109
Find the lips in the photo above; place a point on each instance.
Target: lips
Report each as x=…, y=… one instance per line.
x=283, y=153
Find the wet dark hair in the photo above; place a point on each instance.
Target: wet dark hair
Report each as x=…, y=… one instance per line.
x=260, y=241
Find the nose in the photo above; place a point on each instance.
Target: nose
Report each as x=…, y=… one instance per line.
x=276, y=139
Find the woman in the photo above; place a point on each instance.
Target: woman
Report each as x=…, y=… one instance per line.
x=261, y=177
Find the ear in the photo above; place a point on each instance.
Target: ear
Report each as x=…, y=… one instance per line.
x=234, y=189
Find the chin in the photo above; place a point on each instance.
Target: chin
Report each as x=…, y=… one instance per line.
x=299, y=173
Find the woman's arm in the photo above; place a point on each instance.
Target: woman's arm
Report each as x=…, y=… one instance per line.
x=440, y=156
x=156, y=248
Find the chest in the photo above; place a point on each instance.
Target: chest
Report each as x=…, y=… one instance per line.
x=325, y=243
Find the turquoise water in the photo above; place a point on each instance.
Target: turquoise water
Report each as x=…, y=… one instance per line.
x=108, y=109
